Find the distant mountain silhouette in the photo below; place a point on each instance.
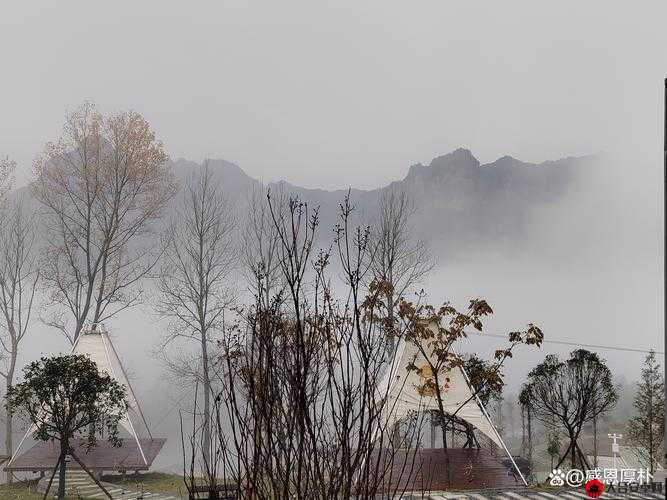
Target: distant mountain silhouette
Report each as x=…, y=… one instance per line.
x=462, y=205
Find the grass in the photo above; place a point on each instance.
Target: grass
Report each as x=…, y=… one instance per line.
x=20, y=490
x=154, y=482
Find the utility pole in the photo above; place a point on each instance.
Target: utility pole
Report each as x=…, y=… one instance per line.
x=615, y=449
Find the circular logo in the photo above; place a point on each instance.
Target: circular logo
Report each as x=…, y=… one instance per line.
x=575, y=477
x=594, y=488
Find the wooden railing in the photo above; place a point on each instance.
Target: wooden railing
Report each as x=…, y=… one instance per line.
x=216, y=492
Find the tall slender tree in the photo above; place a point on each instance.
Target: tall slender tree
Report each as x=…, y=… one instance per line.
x=19, y=276
x=400, y=260
x=259, y=254
x=18, y=282
x=646, y=429
x=195, y=276
x=101, y=188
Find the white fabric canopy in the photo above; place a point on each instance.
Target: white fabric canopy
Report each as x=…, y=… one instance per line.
x=98, y=347
x=399, y=386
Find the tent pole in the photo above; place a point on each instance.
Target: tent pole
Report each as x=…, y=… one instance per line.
x=32, y=429
x=129, y=420
x=481, y=407
x=129, y=386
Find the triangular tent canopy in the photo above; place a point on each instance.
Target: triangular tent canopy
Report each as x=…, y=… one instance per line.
x=403, y=397
x=400, y=388
x=97, y=345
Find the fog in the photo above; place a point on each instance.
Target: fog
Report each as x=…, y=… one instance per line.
x=350, y=94
x=333, y=94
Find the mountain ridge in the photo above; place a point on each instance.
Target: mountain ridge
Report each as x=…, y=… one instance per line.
x=457, y=160
x=461, y=205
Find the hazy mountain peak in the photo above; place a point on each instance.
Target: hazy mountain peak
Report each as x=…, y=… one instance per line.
x=506, y=160
x=460, y=160
x=459, y=157
x=229, y=167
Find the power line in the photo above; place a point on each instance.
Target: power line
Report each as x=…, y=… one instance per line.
x=578, y=344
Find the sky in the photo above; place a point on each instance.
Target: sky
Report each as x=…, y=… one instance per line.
x=332, y=94
x=350, y=93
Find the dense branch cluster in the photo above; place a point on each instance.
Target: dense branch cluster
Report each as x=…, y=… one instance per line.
x=101, y=187
x=299, y=385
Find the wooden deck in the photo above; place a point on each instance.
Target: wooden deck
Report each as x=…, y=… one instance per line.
x=426, y=470
x=104, y=457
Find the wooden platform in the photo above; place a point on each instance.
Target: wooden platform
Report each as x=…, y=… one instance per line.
x=426, y=470
x=104, y=457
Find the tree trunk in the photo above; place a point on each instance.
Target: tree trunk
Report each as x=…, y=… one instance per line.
x=391, y=340
x=443, y=426
x=562, y=459
x=8, y=439
x=530, y=443
x=583, y=462
x=524, y=445
x=63, y=469
x=53, y=474
x=9, y=417
x=651, y=445
x=206, y=444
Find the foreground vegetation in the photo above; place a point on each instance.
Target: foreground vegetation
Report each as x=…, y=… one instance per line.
x=23, y=490
x=155, y=482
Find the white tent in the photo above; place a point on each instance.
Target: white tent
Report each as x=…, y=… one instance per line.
x=400, y=388
x=98, y=347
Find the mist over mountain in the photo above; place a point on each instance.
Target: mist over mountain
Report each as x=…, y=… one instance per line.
x=462, y=205
x=552, y=243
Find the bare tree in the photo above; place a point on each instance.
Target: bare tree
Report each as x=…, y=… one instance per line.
x=299, y=381
x=399, y=259
x=18, y=281
x=19, y=276
x=199, y=258
x=102, y=186
x=260, y=257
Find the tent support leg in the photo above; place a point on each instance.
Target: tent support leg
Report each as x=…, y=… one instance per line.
x=481, y=407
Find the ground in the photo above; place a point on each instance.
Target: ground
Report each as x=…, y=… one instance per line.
x=20, y=490
x=155, y=482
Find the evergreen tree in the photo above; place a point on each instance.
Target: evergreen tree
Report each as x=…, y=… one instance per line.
x=646, y=429
x=63, y=397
